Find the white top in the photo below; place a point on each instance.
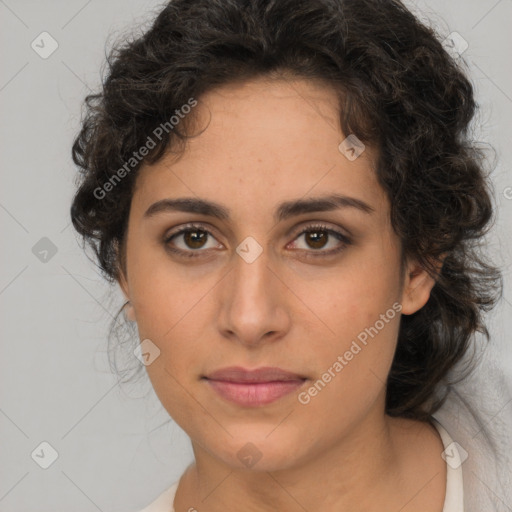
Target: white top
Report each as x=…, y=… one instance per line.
x=453, y=501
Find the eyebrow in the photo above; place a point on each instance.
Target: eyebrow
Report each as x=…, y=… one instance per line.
x=284, y=211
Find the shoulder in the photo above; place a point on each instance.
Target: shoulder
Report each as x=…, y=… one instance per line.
x=481, y=430
x=454, y=456
x=164, y=502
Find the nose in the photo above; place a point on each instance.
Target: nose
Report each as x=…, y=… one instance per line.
x=253, y=307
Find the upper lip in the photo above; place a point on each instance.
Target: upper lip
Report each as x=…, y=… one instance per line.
x=262, y=374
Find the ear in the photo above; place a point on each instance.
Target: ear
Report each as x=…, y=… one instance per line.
x=128, y=308
x=418, y=284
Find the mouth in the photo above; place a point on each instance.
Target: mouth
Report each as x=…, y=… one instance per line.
x=251, y=388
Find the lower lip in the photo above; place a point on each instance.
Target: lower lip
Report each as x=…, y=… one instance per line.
x=254, y=393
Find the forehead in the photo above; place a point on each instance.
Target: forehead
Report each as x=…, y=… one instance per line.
x=267, y=141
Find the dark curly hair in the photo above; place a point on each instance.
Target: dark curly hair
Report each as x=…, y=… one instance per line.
x=400, y=92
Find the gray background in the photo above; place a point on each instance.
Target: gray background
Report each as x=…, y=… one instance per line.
x=116, y=450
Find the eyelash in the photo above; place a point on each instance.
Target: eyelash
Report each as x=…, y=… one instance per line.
x=319, y=253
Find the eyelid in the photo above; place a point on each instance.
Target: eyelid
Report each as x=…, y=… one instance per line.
x=319, y=224
x=334, y=231
x=296, y=231
x=178, y=230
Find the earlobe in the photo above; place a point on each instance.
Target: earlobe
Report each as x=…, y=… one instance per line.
x=128, y=309
x=129, y=312
x=418, y=284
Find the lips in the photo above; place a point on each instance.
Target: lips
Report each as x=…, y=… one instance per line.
x=262, y=374
x=251, y=388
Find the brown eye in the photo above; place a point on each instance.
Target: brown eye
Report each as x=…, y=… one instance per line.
x=195, y=239
x=190, y=241
x=316, y=239
x=319, y=237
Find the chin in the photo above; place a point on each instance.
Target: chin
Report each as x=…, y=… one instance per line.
x=258, y=450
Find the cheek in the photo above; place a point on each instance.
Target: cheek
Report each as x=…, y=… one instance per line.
x=361, y=310
x=356, y=299
x=351, y=372
x=163, y=294
x=170, y=313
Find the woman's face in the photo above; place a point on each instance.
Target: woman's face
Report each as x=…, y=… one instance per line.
x=249, y=288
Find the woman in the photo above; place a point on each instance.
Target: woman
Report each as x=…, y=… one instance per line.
x=286, y=193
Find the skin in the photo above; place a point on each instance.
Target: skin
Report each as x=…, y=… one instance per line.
x=265, y=142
